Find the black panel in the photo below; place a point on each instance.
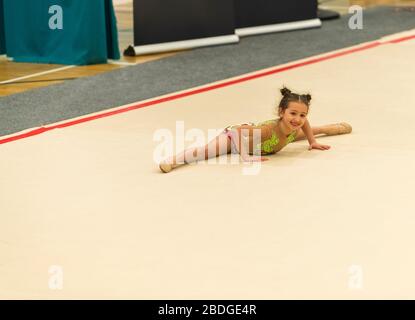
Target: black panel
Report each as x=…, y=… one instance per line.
x=251, y=13
x=158, y=21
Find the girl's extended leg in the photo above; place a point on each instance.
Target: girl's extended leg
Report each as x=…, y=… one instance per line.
x=329, y=129
x=221, y=144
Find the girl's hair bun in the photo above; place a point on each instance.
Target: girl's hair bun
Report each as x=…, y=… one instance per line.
x=307, y=97
x=285, y=91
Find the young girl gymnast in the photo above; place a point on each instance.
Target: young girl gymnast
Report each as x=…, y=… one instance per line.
x=292, y=125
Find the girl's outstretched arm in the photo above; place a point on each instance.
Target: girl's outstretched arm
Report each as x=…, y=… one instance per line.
x=311, y=139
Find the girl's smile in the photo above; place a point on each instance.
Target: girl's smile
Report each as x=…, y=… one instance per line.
x=295, y=115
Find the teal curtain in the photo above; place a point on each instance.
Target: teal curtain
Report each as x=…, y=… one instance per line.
x=88, y=34
x=112, y=31
x=2, y=43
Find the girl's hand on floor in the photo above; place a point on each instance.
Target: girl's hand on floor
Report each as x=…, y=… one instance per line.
x=318, y=146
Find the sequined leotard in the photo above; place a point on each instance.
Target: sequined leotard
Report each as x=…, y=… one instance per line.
x=266, y=146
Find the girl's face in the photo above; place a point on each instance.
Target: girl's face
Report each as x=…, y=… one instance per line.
x=295, y=115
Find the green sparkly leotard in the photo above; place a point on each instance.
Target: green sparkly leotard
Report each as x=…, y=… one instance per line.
x=267, y=146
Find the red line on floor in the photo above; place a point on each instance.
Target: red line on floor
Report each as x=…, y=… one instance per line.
x=104, y=114
x=402, y=39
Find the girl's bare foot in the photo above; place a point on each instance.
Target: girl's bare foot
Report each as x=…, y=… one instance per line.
x=338, y=128
x=165, y=167
x=168, y=165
